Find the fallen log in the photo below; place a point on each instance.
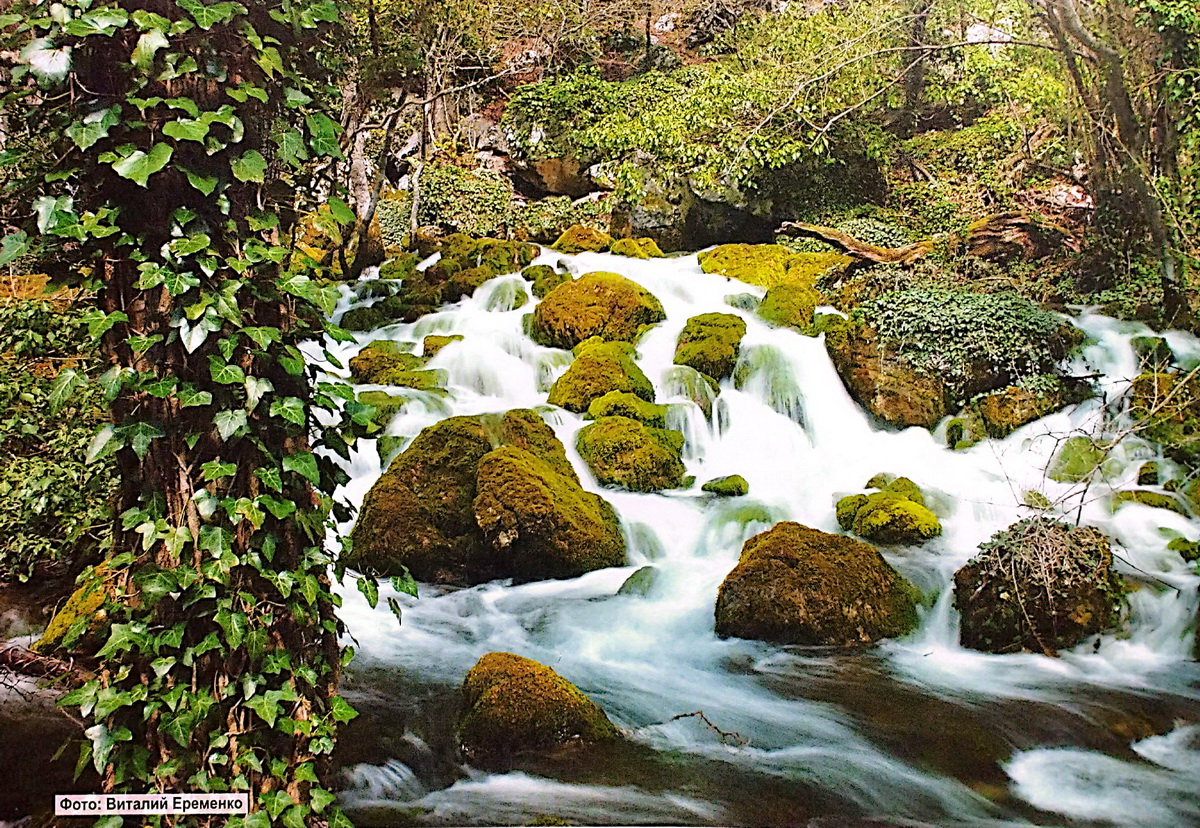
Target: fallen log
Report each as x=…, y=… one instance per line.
x=860, y=250
x=23, y=662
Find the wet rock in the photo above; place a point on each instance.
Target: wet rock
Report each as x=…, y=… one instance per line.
x=711, y=343
x=1076, y=459
x=540, y=522
x=434, y=343
x=1003, y=412
x=386, y=406
x=77, y=625
x=380, y=357
x=790, y=306
x=636, y=248
x=797, y=585
x=579, y=239
x=1148, y=474
x=641, y=582
x=599, y=368
x=544, y=278
x=624, y=452
x=894, y=515
x=1155, y=500
x=685, y=381
x=625, y=404
x=597, y=304
x=513, y=705
x=478, y=498
x=1039, y=585
x=364, y=319
x=1167, y=407
x=732, y=486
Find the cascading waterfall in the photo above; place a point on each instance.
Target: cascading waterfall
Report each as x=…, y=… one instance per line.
x=918, y=728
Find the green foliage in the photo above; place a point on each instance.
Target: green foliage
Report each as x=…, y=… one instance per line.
x=55, y=507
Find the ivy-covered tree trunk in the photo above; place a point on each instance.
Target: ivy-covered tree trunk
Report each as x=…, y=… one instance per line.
x=184, y=129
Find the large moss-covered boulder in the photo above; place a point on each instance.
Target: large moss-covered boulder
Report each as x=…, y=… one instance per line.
x=636, y=248
x=625, y=404
x=386, y=406
x=539, y=522
x=767, y=265
x=600, y=368
x=513, y=705
x=1155, y=500
x=797, y=585
x=711, y=343
x=1077, y=459
x=544, y=278
x=1041, y=586
x=379, y=358
x=790, y=306
x=896, y=514
x=733, y=485
x=434, y=343
x=364, y=319
x=596, y=304
x=478, y=498
x=580, y=239
x=77, y=624
x=1167, y=405
x=1003, y=412
x=624, y=452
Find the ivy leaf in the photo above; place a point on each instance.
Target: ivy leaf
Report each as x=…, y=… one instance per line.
x=215, y=470
x=138, y=166
x=13, y=247
x=216, y=540
x=321, y=799
x=290, y=409
x=323, y=132
x=103, y=21
x=95, y=126
x=147, y=46
x=341, y=211
x=370, y=591
x=341, y=710
x=208, y=16
x=122, y=638
x=251, y=166
x=178, y=283
x=65, y=384
x=191, y=244
x=267, y=709
x=405, y=583
x=256, y=387
x=305, y=465
x=291, y=147
x=270, y=61
x=186, y=129
x=205, y=184
x=101, y=444
x=270, y=477
x=294, y=98
x=140, y=434
x=102, y=745
x=223, y=373
x=190, y=397
x=229, y=423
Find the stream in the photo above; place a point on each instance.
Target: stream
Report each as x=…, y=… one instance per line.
x=914, y=731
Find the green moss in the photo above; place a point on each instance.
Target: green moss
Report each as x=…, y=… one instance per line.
x=894, y=514
x=525, y=429
x=379, y=358
x=796, y=585
x=82, y=615
x=623, y=452
x=625, y=404
x=1076, y=459
x=434, y=343
x=466, y=282
x=580, y=239
x=598, y=369
x=641, y=582
x=403, y=266
x=790, y=306
x=1148, y=474
x=386, y=407
x=1039, y=585
x=540, y=522
x=636, y=249
x=606, y=305
x=880, y=481
x=544, y=279
x=732, y=486
x=1188, y=550
x=363, y=319
x=1167, y=407
x=1003, y=412
x=905, y=488
x=1156, y=500
x=513, y=705
x=417, y=380
x=768, y=265
x=711, y=343
x=848, y=508
x=1153, y=352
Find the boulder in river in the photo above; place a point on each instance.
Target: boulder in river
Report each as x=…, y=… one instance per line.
x=896, y=514
x=599, y=369
x=733, y=485
x=1039, y=585
x=767, y=265
x=711, y=343
x=513, y=705
x=544, y=278
x=580, y=239
x=790, y=306
x=600, y=304
x=478, y=498
x=624, y=452
x=643, y=248
x=625, y=404
x=798, y=585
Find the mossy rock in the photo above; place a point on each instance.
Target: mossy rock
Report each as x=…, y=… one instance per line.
x=386, y=406
x=901, y=486
x=641, y=582
x=434, y=343
x=625, y=404
x=1076, y=460
x=896, y=514
x=767, y=265
x=363, y=319
x=733, y=485
x=513, y=705
x=1167, y=405
x=624, y=452
x=448, y=517
x=1188, y=550
x=1153, y=352
x=597, y=304
x=797, y=585
x=1156, y=500
x=790, y=306
x=1039, y=586
x=431, y=380
x=540, y=522
x=77, y=625
x=544, y=279
x=687, y=382
x=1148, y=474
x=711, y=343
x=600, y=368
x=500, y=255
x=580, y=239
x=637, y=249
x=466, y=282
x=381, y=357
x=403, y=266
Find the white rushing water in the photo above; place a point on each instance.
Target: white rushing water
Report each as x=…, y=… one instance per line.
x=838, y=734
